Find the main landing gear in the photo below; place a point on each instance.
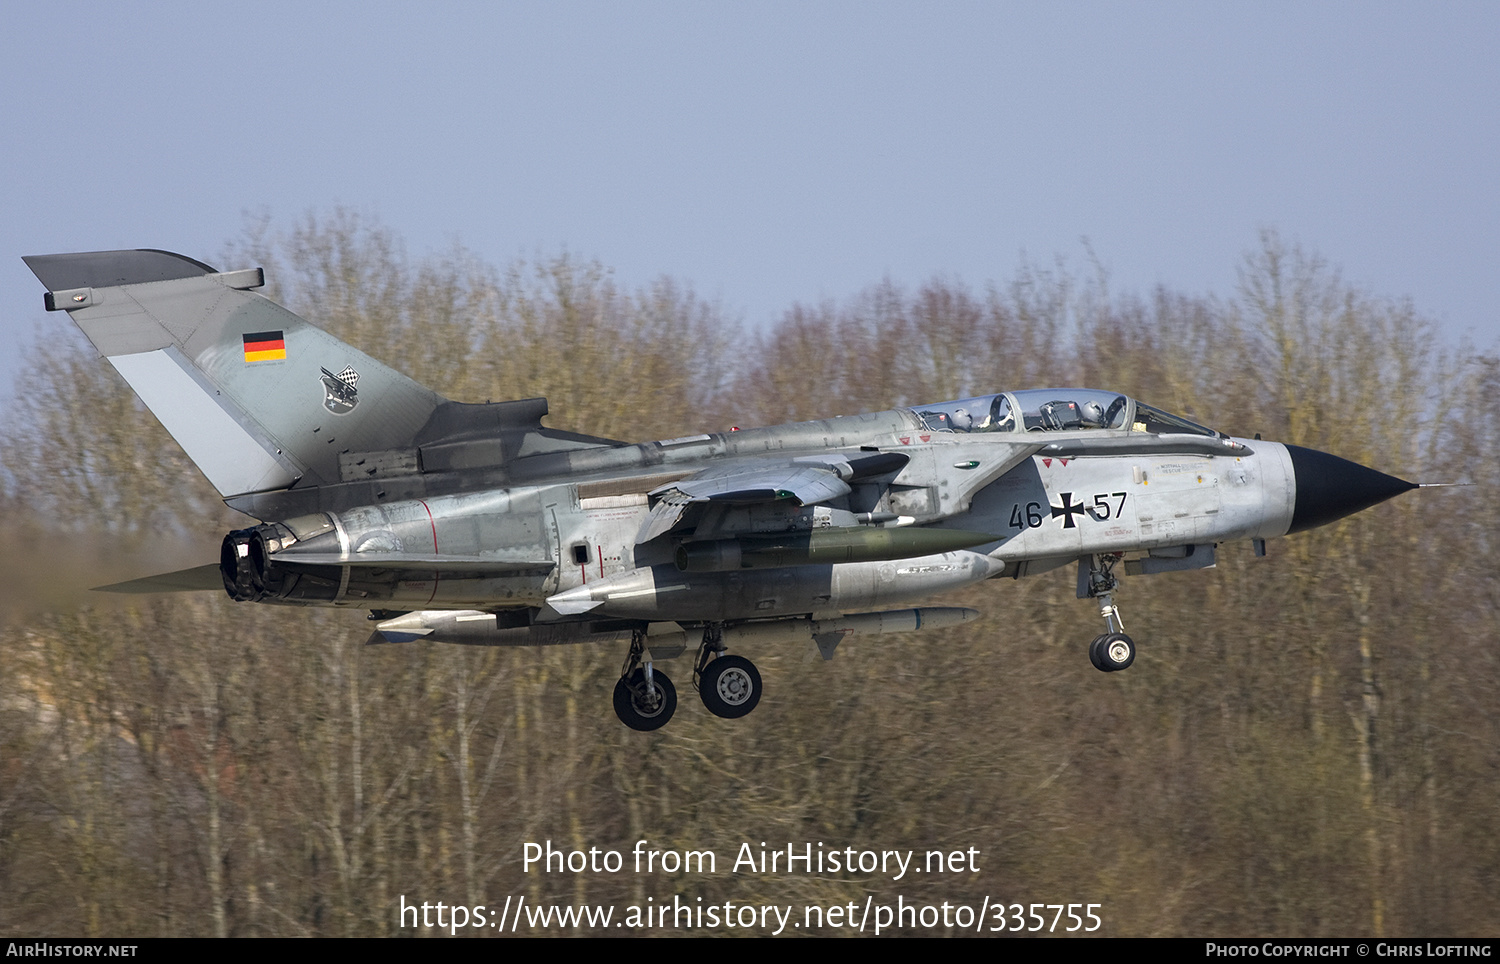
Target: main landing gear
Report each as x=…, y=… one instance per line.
x=645, y=698
x=729, y=685
x=1112, y=651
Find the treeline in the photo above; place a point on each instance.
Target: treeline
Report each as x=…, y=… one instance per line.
x=1307, y=745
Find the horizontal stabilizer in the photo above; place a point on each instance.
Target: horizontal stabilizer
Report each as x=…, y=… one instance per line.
x=196, y=579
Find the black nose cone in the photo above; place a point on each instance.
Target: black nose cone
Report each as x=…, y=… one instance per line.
x=1329, y=488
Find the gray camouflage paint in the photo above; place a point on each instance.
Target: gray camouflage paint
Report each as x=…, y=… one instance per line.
x=378, y=493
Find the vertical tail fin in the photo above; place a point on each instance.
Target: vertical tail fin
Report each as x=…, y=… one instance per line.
x=258, y=398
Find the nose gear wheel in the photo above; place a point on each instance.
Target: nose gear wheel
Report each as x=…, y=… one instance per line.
x=1112, y=652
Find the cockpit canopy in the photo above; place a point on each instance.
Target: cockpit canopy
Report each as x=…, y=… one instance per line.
x=1054, y=410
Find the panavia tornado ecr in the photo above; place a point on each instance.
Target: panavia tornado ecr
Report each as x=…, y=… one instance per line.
x=469, y=523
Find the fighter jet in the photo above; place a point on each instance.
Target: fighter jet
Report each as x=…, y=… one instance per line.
x=474, y=524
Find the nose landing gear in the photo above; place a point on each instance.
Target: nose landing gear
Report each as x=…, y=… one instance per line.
x=1111, y=651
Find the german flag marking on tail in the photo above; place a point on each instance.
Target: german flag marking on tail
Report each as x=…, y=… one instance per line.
x=264, y=346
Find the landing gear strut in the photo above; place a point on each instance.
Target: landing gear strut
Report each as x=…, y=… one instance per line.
x=645, y=698
x=729, y=685
x=1112, y=651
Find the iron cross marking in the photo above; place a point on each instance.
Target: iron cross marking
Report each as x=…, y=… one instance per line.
x=1068, y=510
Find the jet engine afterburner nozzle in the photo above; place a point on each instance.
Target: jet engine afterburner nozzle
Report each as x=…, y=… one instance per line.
x=245, y=561
x=236, y=568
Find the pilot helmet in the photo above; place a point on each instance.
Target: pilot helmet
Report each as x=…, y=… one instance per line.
x=1093, y=414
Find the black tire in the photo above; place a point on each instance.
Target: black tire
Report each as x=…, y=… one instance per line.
x=1116, y=652
x=638, y=712
x=730, y=687
x=1094, y=653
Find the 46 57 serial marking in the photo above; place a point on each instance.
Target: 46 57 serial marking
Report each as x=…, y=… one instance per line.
x=1104, y=507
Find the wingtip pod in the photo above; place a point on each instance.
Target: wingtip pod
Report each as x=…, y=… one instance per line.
x=1330, y=488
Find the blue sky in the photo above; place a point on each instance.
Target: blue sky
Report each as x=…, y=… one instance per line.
x=768, y=153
